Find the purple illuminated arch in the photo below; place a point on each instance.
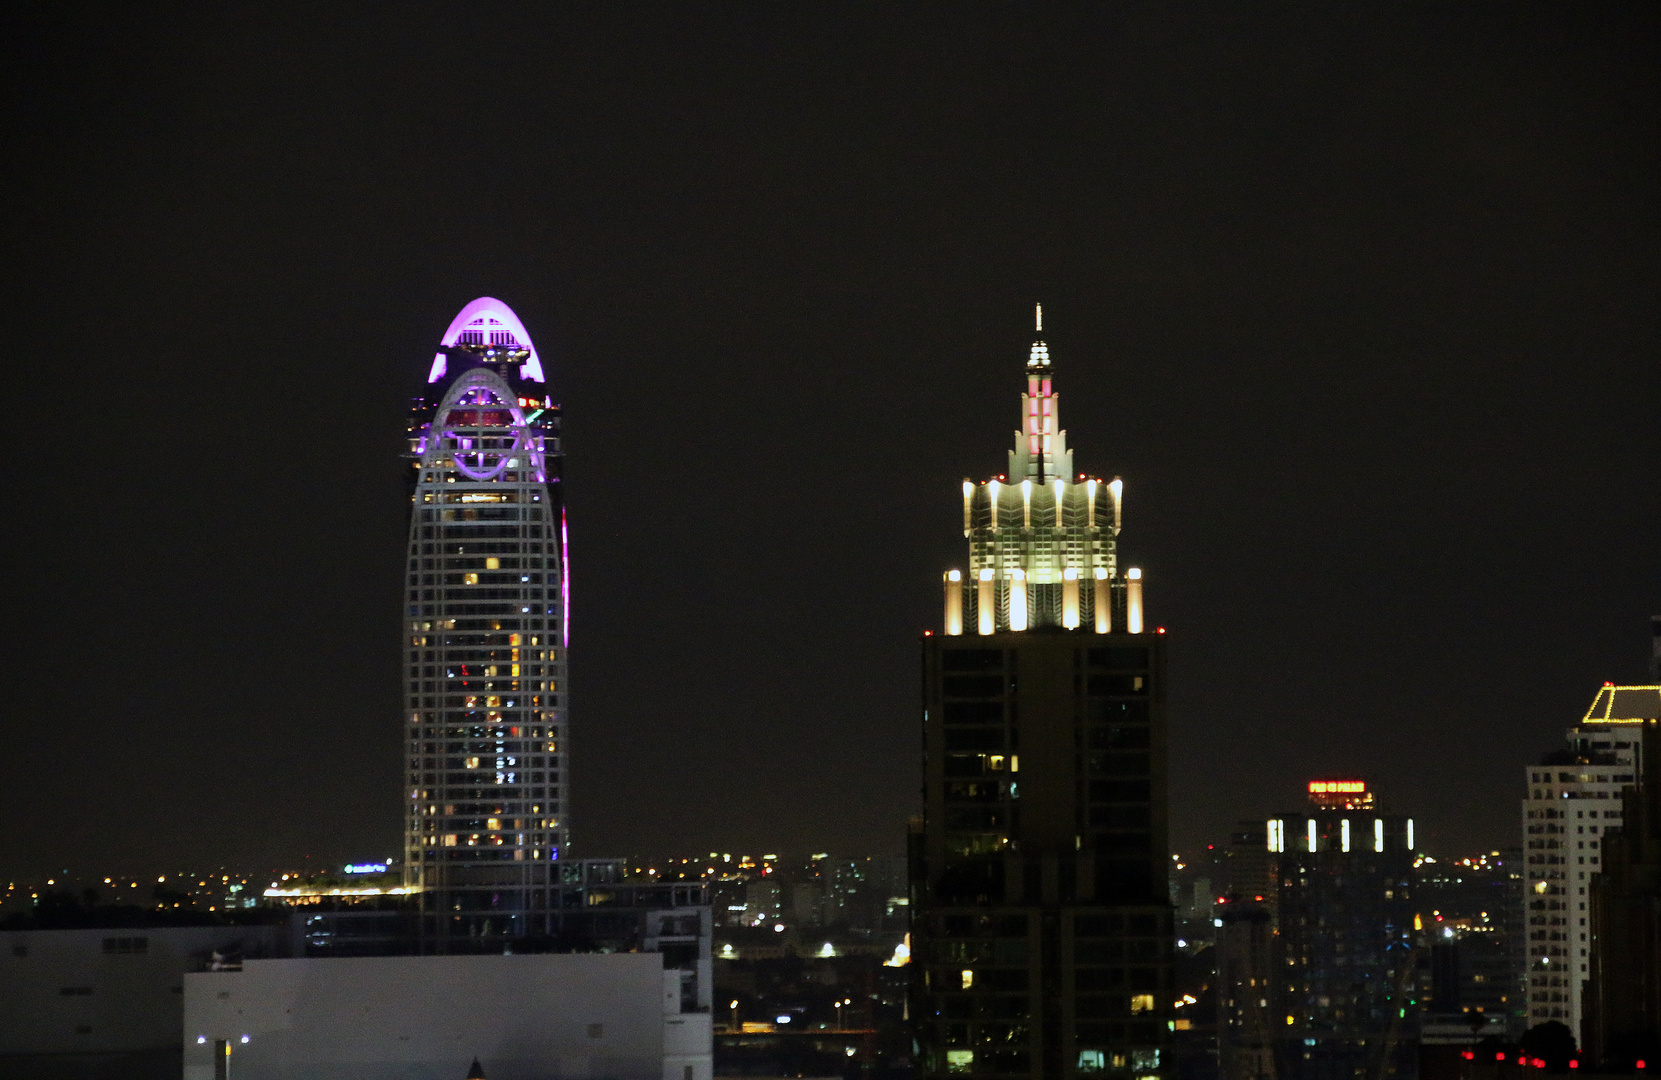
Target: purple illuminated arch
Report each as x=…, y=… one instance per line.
x=483, y=314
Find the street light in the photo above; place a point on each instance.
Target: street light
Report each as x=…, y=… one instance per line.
x=734, y=1008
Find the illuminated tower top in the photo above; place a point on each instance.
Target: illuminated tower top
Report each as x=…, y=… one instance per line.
x=1040, y=453
x=1043, y=541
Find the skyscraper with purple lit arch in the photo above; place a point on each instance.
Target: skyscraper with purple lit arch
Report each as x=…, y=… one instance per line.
x=485, y=636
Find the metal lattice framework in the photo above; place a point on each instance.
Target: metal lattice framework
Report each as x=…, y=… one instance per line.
x=486, y=642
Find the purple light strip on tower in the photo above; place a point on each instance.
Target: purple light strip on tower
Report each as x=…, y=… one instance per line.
x=564, y=581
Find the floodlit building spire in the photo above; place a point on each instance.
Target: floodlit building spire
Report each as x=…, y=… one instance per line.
x=1040, y=453
x=1043, y=548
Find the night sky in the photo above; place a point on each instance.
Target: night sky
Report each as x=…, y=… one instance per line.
x=1359, y=299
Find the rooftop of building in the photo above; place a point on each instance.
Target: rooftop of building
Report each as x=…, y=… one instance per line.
x=1624, y=705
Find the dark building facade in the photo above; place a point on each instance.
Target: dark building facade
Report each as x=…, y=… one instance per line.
x=1622, y=1020
x=1042, y=927
x=1248, y=1010
x=1347, y=938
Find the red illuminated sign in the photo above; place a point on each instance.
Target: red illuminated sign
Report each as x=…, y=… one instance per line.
x=1337, y=787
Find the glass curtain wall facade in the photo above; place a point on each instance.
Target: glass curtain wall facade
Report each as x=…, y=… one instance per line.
x=485, y=640
x=1042, y=927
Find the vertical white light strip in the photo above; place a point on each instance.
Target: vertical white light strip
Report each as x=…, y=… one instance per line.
x=1378, y=834
x=1104, y=603
x=1017, y=599
x=993, y=489
x=1344, y=834
x=1060, y=494
x=1026, y=504
x=954, y=603
x=1410, y=847
x=1314, y=840
x=1117, y=487
x=1069, y=598
x=1133, y=600
x=1090, y=504
x=968, y=506
x=986, y=602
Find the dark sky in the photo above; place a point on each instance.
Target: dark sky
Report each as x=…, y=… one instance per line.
x=1360, y=299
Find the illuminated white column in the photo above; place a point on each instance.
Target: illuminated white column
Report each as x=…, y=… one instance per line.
x=1090, y=504
x=1378, y=834
x=1117, y=488
x=1313, y=838
x=1017, y=599
x=1060, y=490
x=987, y=603
x=1410, y=847
x=993, y=489
x=1069, y=598
x=954, y=603
x=968, y=506
x=1104, y=603
x=1344, y=834
x=1133, y=600
x=1026, y=504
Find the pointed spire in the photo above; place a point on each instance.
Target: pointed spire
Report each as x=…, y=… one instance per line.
x=1040, y=356
x=476, y=1072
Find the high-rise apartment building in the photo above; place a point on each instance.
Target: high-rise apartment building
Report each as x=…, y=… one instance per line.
x=485, y=637
x=1042, y=929
x=1573, y=797
x=1347, y=937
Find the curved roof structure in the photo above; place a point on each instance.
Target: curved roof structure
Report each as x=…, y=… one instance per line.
x=496, y=324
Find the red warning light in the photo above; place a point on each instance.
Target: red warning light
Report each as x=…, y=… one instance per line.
x=1574, y=1064
x=1469, y=1055
x=1499, y=1057
x=1640, y=1063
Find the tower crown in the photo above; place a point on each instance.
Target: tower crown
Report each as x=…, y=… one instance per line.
x=488, y=327
x=1042, y=540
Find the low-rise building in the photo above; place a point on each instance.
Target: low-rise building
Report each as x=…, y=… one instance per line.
x=109, y=997
x=588, y=1016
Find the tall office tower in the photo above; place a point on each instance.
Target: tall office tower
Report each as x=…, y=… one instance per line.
x=485, y=632
x=1622, y=1001
x=1573, y=796
x=1347, y=937
x=1042, y=943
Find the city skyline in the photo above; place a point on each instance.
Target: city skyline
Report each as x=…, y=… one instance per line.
x=1382, y=405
